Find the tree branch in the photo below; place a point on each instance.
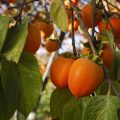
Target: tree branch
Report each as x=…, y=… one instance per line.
x=16, y=7
x=20, y=13
x=73, y=39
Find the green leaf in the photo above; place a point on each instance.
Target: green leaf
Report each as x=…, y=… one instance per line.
x=4, y=23
x=73, y=110
x=116, y=84
x=107, y=37
x=22, y=82
x=15, y=42
x=59, y=15
x=114, y=70
x=110, y=37
x=118, y=113
x=104, y=87
x=102, y=108
x=58, y=99
x=6, y=110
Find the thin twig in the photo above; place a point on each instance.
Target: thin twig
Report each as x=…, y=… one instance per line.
x=108, y=6
x=73, y=39
x=112, y=5
x=16, y=7
x=61, y=37
x=20, y=13
x=47, y=13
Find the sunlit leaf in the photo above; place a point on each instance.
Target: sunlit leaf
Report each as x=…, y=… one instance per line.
x=59, y=15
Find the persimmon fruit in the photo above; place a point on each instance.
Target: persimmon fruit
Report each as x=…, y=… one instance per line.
x=59, y=71
x=115, y=23
x=87, y=15
x=76, y=24
x=10, y=1
x=45, y=28
x=68, y=13
x=33, y=40
x=107, y=55
x=52, y=45
x=84, y=77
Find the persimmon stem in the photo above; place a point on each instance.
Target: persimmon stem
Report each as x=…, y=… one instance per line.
x=84, y=28
x=72, y=29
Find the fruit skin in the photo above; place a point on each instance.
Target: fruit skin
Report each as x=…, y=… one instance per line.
x=45, y=28
x=76, y=24
x=115, y=23
x=87, y=14
x=10, y=1
x=102, y=26
x=33, y=40
x=107, y=55
x=68, y=11
x=116, y=26
x=52, y=45
x=84, y=77
x=59, y=71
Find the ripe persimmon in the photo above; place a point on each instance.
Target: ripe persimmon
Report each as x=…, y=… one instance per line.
x=76, y=24
x=114, y=24
x=107, y=55
x=84, y=77
x=52, y=45
x=33, y=40
x=68, y=11
x=87, y=15
x=59, y=71
x=45, y=28
x=10, y=1
x=102, y=25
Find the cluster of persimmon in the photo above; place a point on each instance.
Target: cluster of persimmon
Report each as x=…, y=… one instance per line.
x=36, y=31
x=82, y=76
x=111, y=23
